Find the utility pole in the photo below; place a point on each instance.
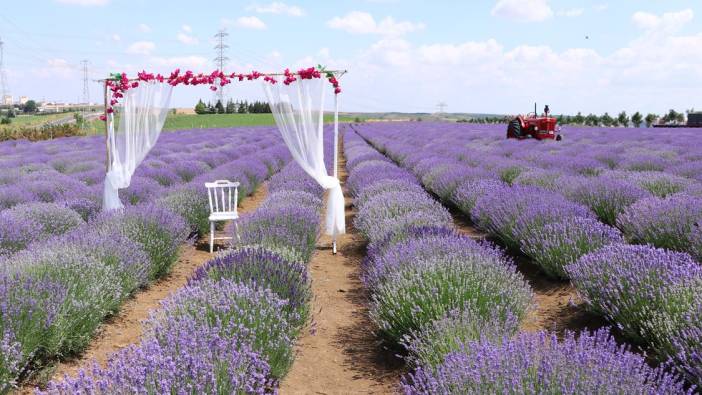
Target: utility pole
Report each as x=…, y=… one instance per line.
x=4, y=88
x=86, y=89
x=221, y=60
x=441, y=106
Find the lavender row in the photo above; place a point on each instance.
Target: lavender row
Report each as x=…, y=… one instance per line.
x=565, y=239
x=422, y=275
x=605, y=170
x=231, y=329
x=64, y=266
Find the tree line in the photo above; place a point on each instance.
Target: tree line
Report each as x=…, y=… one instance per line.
x=620, y=120
x=232, y=107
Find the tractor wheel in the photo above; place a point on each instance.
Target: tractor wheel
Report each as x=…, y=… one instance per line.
x=514, y=129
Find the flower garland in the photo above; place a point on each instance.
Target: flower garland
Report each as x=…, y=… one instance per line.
x=118, y=83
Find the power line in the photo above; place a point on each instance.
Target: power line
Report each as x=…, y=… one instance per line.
x=86, y=88
x=221, y=59
x=4, y=88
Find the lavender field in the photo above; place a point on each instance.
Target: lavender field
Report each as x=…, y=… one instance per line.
x=612, y=213
x=615, y=212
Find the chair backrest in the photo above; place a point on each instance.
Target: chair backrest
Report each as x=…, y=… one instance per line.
x=220, y=195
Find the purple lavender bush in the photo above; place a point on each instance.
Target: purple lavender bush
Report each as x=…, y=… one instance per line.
x=432, y=343
x=652, y=294
x=541, y=364
x=252, y=315
x=156, y=229
x=183, y=356
x=606, y=197
x=511, y=212
x=76, y=289
x=626, y=282
x=417, y=294
x=557, y=244
x=670, y=222
x=282, y=228
x=30, y=222
x=467, y=194
x=380, y=210
x=191, y=203
x=255, y=265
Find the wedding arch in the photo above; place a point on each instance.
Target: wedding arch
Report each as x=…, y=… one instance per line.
x=296, y=100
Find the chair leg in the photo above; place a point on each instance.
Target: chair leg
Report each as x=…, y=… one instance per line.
x=236, y=230
x=212, y=230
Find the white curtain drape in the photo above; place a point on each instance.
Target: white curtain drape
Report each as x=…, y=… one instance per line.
x=142, y=113
x=298, y=109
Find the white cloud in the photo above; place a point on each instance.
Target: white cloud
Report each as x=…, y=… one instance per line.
x=144, y=28
x=277, y=7
x=56, y=67
x=245, y=22
x=523, y=10
x=116, y=37
x=571, y=13
x=84, y=2
x=187, y=28
x=669, y=21
x=141, y=48
x=358, y=22
x=187, y=39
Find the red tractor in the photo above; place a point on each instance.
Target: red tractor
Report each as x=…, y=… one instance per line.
x=534, y=126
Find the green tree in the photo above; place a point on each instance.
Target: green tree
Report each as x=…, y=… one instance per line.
x=623, y=119
x=650, y=119
x=579, y=119
x=30, y=106
x=606, y=120
x=637, y=119
x=200, y=107
x=219, y=107
x=592, y=120
x=80, y=121
x=5, y=121
x=243, y=107
x=11, y=112
x=231, y=107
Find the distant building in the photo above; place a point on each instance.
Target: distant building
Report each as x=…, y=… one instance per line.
x=7, y=100
x=23, y=100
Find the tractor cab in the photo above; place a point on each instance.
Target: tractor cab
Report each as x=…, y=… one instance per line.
x=532, y=125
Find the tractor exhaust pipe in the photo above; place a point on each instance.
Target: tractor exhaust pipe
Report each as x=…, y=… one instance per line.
x=535, y=113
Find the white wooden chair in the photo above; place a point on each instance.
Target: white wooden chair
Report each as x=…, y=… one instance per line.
x=222, y=206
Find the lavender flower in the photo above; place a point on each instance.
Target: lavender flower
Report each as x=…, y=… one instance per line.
x=254, y=265
x=539, y=363
x=184, y=357
x=670, y=223
x=249, y=314
x=557, y=244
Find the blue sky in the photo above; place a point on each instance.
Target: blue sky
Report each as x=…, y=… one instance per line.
x=479, y=56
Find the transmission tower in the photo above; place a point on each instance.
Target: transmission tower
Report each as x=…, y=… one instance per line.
x=221, y=60
x=4, y=88
x=86, y=88
x=441, y=106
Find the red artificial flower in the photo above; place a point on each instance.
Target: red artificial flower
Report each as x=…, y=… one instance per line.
x=110, y=110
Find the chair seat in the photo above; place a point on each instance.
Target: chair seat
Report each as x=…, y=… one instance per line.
x=223, y=216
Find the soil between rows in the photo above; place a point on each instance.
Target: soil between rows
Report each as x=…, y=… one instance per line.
x=340, y=354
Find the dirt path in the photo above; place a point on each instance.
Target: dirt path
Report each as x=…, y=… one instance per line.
x=125, y=327
x=340, y=354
